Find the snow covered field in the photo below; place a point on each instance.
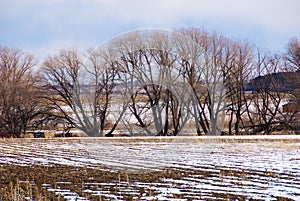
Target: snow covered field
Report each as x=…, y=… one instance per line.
x=259, y=168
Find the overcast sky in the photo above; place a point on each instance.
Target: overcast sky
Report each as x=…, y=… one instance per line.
x=43, y=27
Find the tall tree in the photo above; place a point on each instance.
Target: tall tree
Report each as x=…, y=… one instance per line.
x=264, y=107
x=20, y=91
x=204, y=71
x=237, y=74
x=293, y=54
x=80, y=89
x=149, y=72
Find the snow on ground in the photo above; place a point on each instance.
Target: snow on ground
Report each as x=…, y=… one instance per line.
x=267, y=167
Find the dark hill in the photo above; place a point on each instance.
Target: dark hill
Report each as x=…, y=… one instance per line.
x=281, y=81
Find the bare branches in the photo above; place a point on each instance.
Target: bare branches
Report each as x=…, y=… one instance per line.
x=153, y=83
x=81, y=89
x=293, y=54
x=20, y=101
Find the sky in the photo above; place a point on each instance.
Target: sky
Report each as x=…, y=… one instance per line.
x=44, y=27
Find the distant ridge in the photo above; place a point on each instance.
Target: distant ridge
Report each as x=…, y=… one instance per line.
x=280, y=82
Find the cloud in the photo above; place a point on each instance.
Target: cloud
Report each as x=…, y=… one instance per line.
x=39, y=24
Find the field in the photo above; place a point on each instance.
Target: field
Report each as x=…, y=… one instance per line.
x=167, y=168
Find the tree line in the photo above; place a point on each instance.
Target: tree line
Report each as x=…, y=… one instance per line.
x=152, y=83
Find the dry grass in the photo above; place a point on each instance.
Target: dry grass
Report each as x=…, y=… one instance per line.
x=22, y=182
x=19, y=182
x=202, y=139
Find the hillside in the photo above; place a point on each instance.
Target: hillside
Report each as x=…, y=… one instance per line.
x=281, y=81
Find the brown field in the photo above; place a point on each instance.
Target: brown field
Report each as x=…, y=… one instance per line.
x=167, y=168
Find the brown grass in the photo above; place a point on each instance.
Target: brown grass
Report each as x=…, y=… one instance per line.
x=202, y=139
x=18, y=182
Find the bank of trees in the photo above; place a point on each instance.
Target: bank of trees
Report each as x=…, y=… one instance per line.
x=21, y=106
x=153, y=83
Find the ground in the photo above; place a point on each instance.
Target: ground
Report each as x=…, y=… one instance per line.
x=224, y=168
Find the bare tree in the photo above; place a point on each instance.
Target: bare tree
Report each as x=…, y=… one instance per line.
x=148, y=69
x=237, y=74
x=20, y=91
x=293, y=54
x=81, y=89
x=264, y=108
x=292, y=65
x=204, y=72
